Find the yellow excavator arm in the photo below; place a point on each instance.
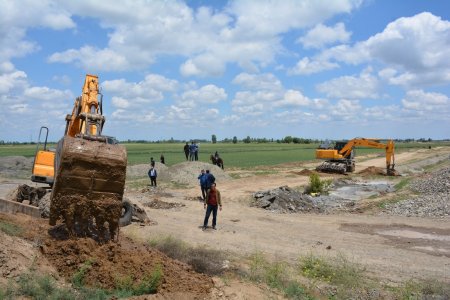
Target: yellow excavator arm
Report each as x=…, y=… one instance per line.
x=88, y=170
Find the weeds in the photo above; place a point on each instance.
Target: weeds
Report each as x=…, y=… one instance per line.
x=78, y=277
x=276, y=275
x=316, y=185
x=404, y=182
x=337, y=271
x=126, y=286
x=10, y=229
x=201, y=259
x=428, y=289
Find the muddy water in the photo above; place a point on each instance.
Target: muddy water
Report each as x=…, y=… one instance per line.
x=88, y=189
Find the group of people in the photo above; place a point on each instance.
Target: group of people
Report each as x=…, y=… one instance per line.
x=212, y=201
x=211, y=197
x=191, y=151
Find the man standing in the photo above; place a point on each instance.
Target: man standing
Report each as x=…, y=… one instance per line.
x=152, y=174
x=186, y=150
x=203, y=181
x=162, y=159
x=195, y=152
x=210, y=179
x=212, y=202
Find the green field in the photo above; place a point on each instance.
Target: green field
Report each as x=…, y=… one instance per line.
x=234, y=155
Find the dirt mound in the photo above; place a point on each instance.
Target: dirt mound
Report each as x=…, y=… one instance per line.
x=304, y=172
x=187, y=172
x=284, y=200
x=107, y=265
x=16, y=166
x=159, y=204
x=372, y=171
x=142, y=170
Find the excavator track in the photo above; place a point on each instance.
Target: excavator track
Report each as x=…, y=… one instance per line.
x=87, y=193
x=332, y=167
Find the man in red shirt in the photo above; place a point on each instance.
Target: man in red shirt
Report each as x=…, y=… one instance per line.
x=212, y=202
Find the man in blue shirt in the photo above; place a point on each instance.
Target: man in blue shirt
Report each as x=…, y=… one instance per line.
x=203, y=183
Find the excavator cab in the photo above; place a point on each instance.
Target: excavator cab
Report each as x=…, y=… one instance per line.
x=43, y=166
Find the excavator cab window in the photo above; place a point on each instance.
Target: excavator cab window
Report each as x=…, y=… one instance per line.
x=339, y=145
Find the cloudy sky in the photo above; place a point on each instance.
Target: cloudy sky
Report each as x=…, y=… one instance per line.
x=314, y=69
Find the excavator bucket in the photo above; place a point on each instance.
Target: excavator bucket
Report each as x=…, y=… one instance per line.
x=88, y=188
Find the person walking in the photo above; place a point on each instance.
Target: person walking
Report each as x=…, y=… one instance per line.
x=152, y=162
x=195, y=151
x=210, y=179
x=212, y=203
x=191, y=151
x=152, y=174
x=186, y=150
x=203, y=178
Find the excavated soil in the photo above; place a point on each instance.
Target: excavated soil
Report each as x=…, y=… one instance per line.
x=372, y=171
x=106, y=264
x=159, y=204
x=110, y=263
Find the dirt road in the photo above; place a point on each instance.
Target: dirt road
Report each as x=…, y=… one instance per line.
x=392, y=248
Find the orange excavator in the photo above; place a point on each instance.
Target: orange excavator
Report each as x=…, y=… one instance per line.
x=86, y=170
x=340, y=158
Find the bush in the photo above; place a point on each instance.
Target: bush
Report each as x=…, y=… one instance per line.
x=316, y=185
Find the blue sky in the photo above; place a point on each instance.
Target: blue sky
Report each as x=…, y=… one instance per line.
x=313, y=69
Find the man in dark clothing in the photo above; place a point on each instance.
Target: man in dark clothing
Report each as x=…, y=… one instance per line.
x=186, y=150
x=202, y=177
x=152, y=174
x=162, y=159
x=210, y=179
x=152, y=162
x=212, y=202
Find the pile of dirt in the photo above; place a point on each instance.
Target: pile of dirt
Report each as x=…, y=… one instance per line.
x=106, y=265
x=182, y=173
x=372, y=171
x=304, y=172
x=141, y=170
x=16, y=166
x=159, y=204
x=284, y=200
x=187, y=172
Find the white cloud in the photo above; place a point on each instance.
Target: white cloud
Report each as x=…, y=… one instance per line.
x=415, y=50
x=208, y=94
x=305, y=66
x=247, y=33
x=258, y=82
x=48, y=94
x=365, y=86
x=322, y=35
x=421, y=101
x=293, y=98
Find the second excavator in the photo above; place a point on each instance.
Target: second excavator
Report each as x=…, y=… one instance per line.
x=86, y=171
x=340, y=157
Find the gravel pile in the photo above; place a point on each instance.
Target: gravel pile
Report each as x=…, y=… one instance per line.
x=284, y=200
x=433, y=201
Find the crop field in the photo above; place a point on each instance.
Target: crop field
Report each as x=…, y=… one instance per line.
x=234, y=155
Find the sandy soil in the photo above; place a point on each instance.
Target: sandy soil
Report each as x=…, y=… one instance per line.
x=396, y=251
